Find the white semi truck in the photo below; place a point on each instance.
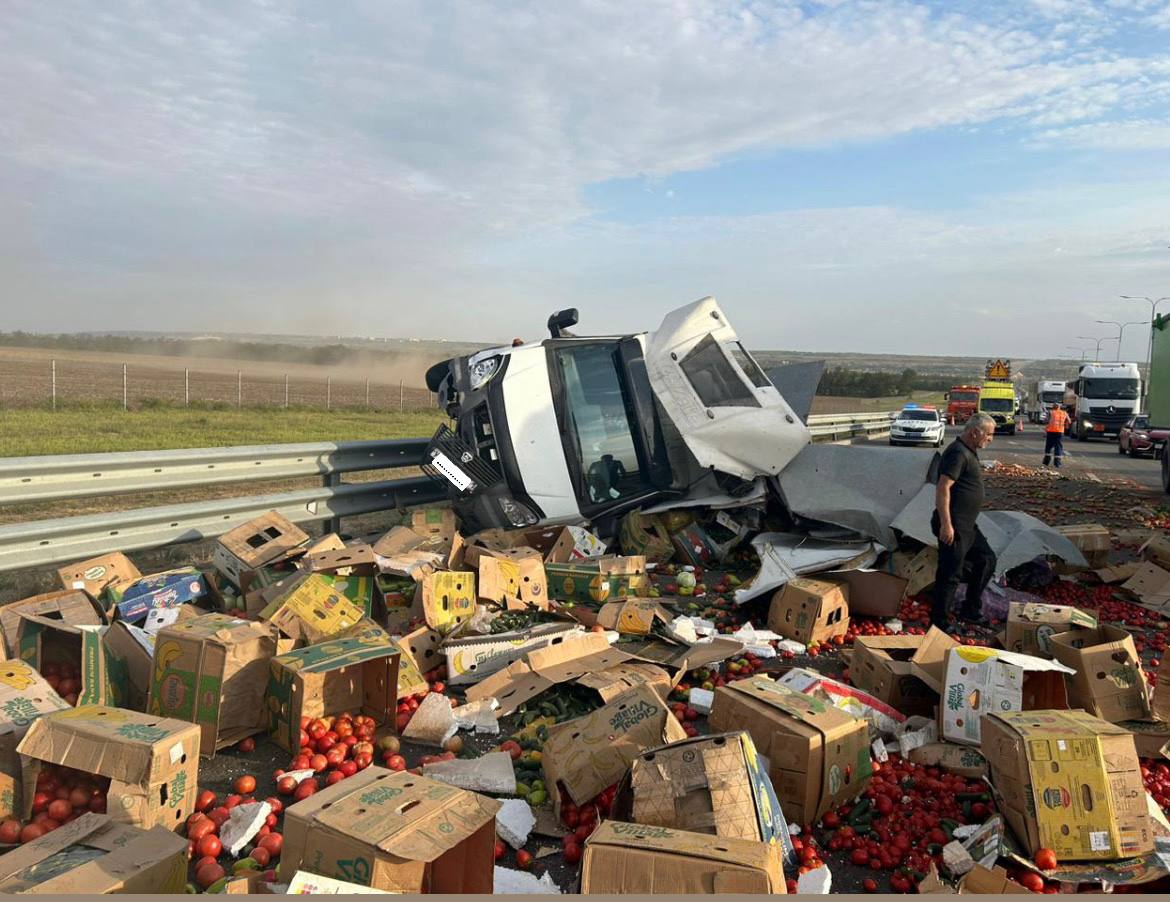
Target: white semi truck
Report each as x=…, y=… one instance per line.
x=578, y=428
x=1044, y=394
x=1107, y=394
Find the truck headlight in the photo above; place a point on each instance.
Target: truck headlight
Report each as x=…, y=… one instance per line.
x=517, y=514
x=482, y=370
x=1086, y=424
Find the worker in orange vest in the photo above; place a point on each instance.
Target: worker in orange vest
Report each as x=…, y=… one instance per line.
x=1054, y=435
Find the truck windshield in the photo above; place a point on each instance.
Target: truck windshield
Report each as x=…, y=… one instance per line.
x=966, y=397
x=1110, y=389
x=997, y=405
x=597, y=420
x=1052, y=397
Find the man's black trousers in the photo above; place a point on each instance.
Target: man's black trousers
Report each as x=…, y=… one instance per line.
x=968, y=559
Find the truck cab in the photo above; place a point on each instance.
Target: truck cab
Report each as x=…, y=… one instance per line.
x=576, y=428
x=1107, y=395
x=1046, y=393
x=998, y=400
x=962, y=402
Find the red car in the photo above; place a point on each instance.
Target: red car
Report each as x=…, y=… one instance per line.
x=1137, y=438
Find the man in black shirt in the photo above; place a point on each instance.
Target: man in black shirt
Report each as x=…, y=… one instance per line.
x=962, y=548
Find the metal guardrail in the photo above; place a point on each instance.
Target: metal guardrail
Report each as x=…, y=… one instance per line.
x=842, y=427
x=34, y=543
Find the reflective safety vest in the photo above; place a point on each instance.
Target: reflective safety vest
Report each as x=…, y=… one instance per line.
x=1057, y=420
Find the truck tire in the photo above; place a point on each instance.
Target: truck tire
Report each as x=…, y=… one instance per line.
x=1080, y=434
x=1166, y=473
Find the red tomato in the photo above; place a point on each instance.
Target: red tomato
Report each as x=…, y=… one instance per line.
x=572, y=853
x=523, y=860
x=247, y=745
x=209, y=846
x=206, y=801
x=273, y=842
x=9, y=832
x=30, y=832
x=1045, y=858
x=245, y=785
x=59, y=809
x=1033, y=881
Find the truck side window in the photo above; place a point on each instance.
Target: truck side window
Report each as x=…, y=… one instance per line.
x=713, y=377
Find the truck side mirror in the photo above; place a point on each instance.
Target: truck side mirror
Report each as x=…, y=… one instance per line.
x=561, y=320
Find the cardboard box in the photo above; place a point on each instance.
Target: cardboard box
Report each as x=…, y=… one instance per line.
x=645, y=535
x=570, y=543
x=514, y=579
x=96, y=854
x=810, y=610
x=43, y=641
x=394, y=831
x=134, y=599
x=473, y=658
x=24, y=696
x=71, y=606
x=693, y=545
x=352, y=674
x=1108, y=681
x=958, y=759
x=882, y=719
x=1070, y=782
x=979, y=880
x=590, y=753
x=678, y=657
x=872, y=593
x=818, y=755
x=1149, y=737
x=394, y=599
x=434, y=522
x=94, y=575
x=1091, y=539
x=212, y=671
x=1117, y=574
x=1150, y=585
x=1157, y=550
x=152, y=762
x=268, y=539
x=633, y=616
x=406, y=553
x=305, y=884
x=708, y=784
x=587, y=660
x=420, y=653
x=985, y=680
x=312, y=610
x=598, y=579
x=625, y=858
x=929, y=663
x=881, y=666
x=447, y=599
x=130, y=663
x=918, y=569
x=1031, y=626
x=1160, y=701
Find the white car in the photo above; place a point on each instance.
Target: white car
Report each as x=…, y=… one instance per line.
x=916, y=425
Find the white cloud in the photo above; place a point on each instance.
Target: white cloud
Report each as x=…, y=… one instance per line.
x=196, y=162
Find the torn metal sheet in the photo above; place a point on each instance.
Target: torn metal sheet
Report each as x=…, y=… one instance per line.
x=707, y=493
x=914, y=518
x=784, y=556
x=798, y=383
x=856, y=487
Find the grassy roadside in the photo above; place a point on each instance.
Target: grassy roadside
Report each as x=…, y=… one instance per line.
x=99, y=428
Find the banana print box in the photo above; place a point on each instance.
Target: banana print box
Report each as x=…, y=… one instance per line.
x=24, y=696
x=598, y=580
x=152, y=762
x=212, y=671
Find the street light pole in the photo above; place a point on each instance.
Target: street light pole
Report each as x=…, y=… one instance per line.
x=1083, y=351
x=1097, y=353
x=1121, y=327
x=1153, y=302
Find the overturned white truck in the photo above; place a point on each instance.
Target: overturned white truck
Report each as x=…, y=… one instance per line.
x=576, y=428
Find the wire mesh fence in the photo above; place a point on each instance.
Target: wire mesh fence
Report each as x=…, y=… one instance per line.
x=51, y=383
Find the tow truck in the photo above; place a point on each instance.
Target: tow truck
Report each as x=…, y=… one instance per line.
x=575, y=428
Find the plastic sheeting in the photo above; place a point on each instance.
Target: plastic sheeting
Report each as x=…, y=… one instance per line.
x=784, y=556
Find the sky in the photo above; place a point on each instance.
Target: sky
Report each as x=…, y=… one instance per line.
x=967, y=178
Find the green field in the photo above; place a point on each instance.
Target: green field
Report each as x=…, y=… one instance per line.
x=84, y=430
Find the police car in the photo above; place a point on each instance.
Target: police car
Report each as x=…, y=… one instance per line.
x=918, y=425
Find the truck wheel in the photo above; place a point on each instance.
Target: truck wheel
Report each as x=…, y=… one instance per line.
x=1165, y=472
x=1080, y=434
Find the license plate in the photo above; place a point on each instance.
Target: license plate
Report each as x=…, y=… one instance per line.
x=1098, y=428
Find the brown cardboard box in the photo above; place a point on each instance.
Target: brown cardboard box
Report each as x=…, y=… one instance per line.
x=358, y=674
x=70, y=606
x=434, y=522
x=1150, y=585
x=312, y=609
x=1160, y=702
x=96, y=854
x=1157, y=550
x=1109, y=681
x=514, y=578
x=266, y=540
x=1149, y=737
x=447, y=599
x=633, y=616
x=130, y=657
x=1117, y=574
x=977, y=881
x=152, y=762
x=587, y=660
x=1091, y=539
x=625, y=858
x=929, y=663
x=24, y=696
x=872, y=593
x=404, y=551
x=918, y=570
x=679, y=658
x=707, y=784
x=394, y=831
x=959, y=759
x=42, y=641
x=94, y=575
x=473, y=658
x=646, y=535
x=212, y=671
x=881, y=666
x=1070, y=782
x=1031, y=626
x=589, y=753
x=810, y=610
x=350, y=560
x=818, y=755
